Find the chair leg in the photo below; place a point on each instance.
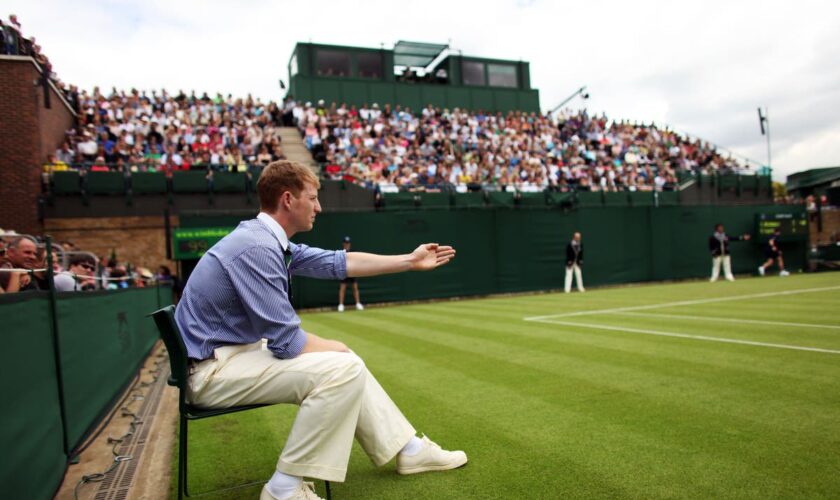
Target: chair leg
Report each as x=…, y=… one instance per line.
x=327, y=484
x=182, y=459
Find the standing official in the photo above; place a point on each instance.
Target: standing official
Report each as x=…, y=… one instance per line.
x=574, y=261
x=719, y=248
x=342, y=288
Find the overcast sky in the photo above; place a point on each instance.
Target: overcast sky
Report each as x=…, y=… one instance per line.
x=702, y=67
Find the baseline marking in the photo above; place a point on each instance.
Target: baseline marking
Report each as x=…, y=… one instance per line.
x=686, y=336
x=728, y=320
x=681, y=303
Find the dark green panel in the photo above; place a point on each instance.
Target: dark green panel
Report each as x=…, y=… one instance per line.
x=555, y=199
x=105, y=183
x=400, y=201
x=586, y=199
x=434, y=95
x=408, y=95
x=66, y=182
x=481, y=99
x=33, y=460
x=532, y=200
x=99, y=357
x=642, y=198
x=470, y=199
x=435, y=200
x=616, y=245
x=617, y=199
x=382, y=93
x=189, y=182
x=500, y=199
x=669, y=198
x=326, y=89
x=353, y=92
x=458, y=97
x=148, y=182
x=506, y=100
x=531, y=248
x=529, y=101
x=229, y=182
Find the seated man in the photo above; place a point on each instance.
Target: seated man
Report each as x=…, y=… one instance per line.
x=246, y=345
x=79, y=275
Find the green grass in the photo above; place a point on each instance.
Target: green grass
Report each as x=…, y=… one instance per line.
x=548, y=410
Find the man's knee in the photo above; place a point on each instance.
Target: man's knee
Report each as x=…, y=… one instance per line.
x=350, y=367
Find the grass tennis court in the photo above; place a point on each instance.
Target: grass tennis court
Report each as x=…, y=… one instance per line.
x=689, y=390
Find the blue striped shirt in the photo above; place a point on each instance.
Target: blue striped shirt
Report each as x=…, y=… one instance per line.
x=239, y=290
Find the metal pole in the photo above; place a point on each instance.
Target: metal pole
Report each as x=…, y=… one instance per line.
x=57, y=350
x=575, y=94
x=767, y=122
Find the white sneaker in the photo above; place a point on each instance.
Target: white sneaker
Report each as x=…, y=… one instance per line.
x=306, y=491
x=581, y=290
x=341, y=308
x=359, y=306
x=784, y=273
x=430, y=458
x=761, y=270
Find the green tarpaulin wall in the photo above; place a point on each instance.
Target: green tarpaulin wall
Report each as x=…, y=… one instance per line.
x=103, y=337
x=507, y=250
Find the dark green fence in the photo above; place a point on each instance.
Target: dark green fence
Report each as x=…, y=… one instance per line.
x=100, y=339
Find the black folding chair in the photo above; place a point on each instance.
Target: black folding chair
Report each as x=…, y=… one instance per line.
x=178, y=363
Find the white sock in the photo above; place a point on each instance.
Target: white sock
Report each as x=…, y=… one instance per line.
x=283, y=485
x=414, y=446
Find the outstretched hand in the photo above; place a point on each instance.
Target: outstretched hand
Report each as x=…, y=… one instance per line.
x=429, y=256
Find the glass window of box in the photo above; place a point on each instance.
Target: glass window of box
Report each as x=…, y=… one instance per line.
x=473, y=73
x=369, y=64
x=502, y=75
x=332, y=63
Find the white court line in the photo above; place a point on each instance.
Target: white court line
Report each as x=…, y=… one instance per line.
x=729, y=320
x=682, y=303
x=686, y=336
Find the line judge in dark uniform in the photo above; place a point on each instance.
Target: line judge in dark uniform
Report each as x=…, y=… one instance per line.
x=574, y=261
x=719, y=248
x=342, y=288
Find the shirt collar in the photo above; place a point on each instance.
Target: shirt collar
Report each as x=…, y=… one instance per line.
x=276, y=229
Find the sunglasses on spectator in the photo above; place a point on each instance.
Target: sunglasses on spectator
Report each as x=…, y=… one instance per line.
x=87, y=267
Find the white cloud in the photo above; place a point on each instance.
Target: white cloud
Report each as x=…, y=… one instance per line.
x=701, y=67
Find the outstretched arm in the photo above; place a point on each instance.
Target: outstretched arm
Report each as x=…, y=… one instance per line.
x=426, y=257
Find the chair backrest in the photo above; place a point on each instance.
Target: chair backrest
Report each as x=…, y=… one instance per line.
x=171, y=336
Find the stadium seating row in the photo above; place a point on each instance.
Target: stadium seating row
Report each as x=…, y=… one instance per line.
x=500, y=199
x=116, y=183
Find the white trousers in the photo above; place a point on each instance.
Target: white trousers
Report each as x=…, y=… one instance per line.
x=574, y=268
x=727, y=268
x=338, y=398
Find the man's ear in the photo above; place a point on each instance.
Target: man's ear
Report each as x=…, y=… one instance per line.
x=286, y=200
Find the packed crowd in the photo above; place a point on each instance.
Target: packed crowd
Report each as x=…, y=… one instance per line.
x=382, y=148
x=24, y=266
x=392, y=148
x=138, y=131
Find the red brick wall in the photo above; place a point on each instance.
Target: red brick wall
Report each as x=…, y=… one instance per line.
x=138, y=240
x=27, y=133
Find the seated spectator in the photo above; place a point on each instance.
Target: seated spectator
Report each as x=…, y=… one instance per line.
x=79, y=275
x=21, y=253
x=54, y=165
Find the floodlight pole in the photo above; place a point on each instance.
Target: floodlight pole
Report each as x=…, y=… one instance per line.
x=767, y=122
x=576, y=93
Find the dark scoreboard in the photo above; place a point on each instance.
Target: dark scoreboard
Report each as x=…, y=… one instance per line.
x=793, y=226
